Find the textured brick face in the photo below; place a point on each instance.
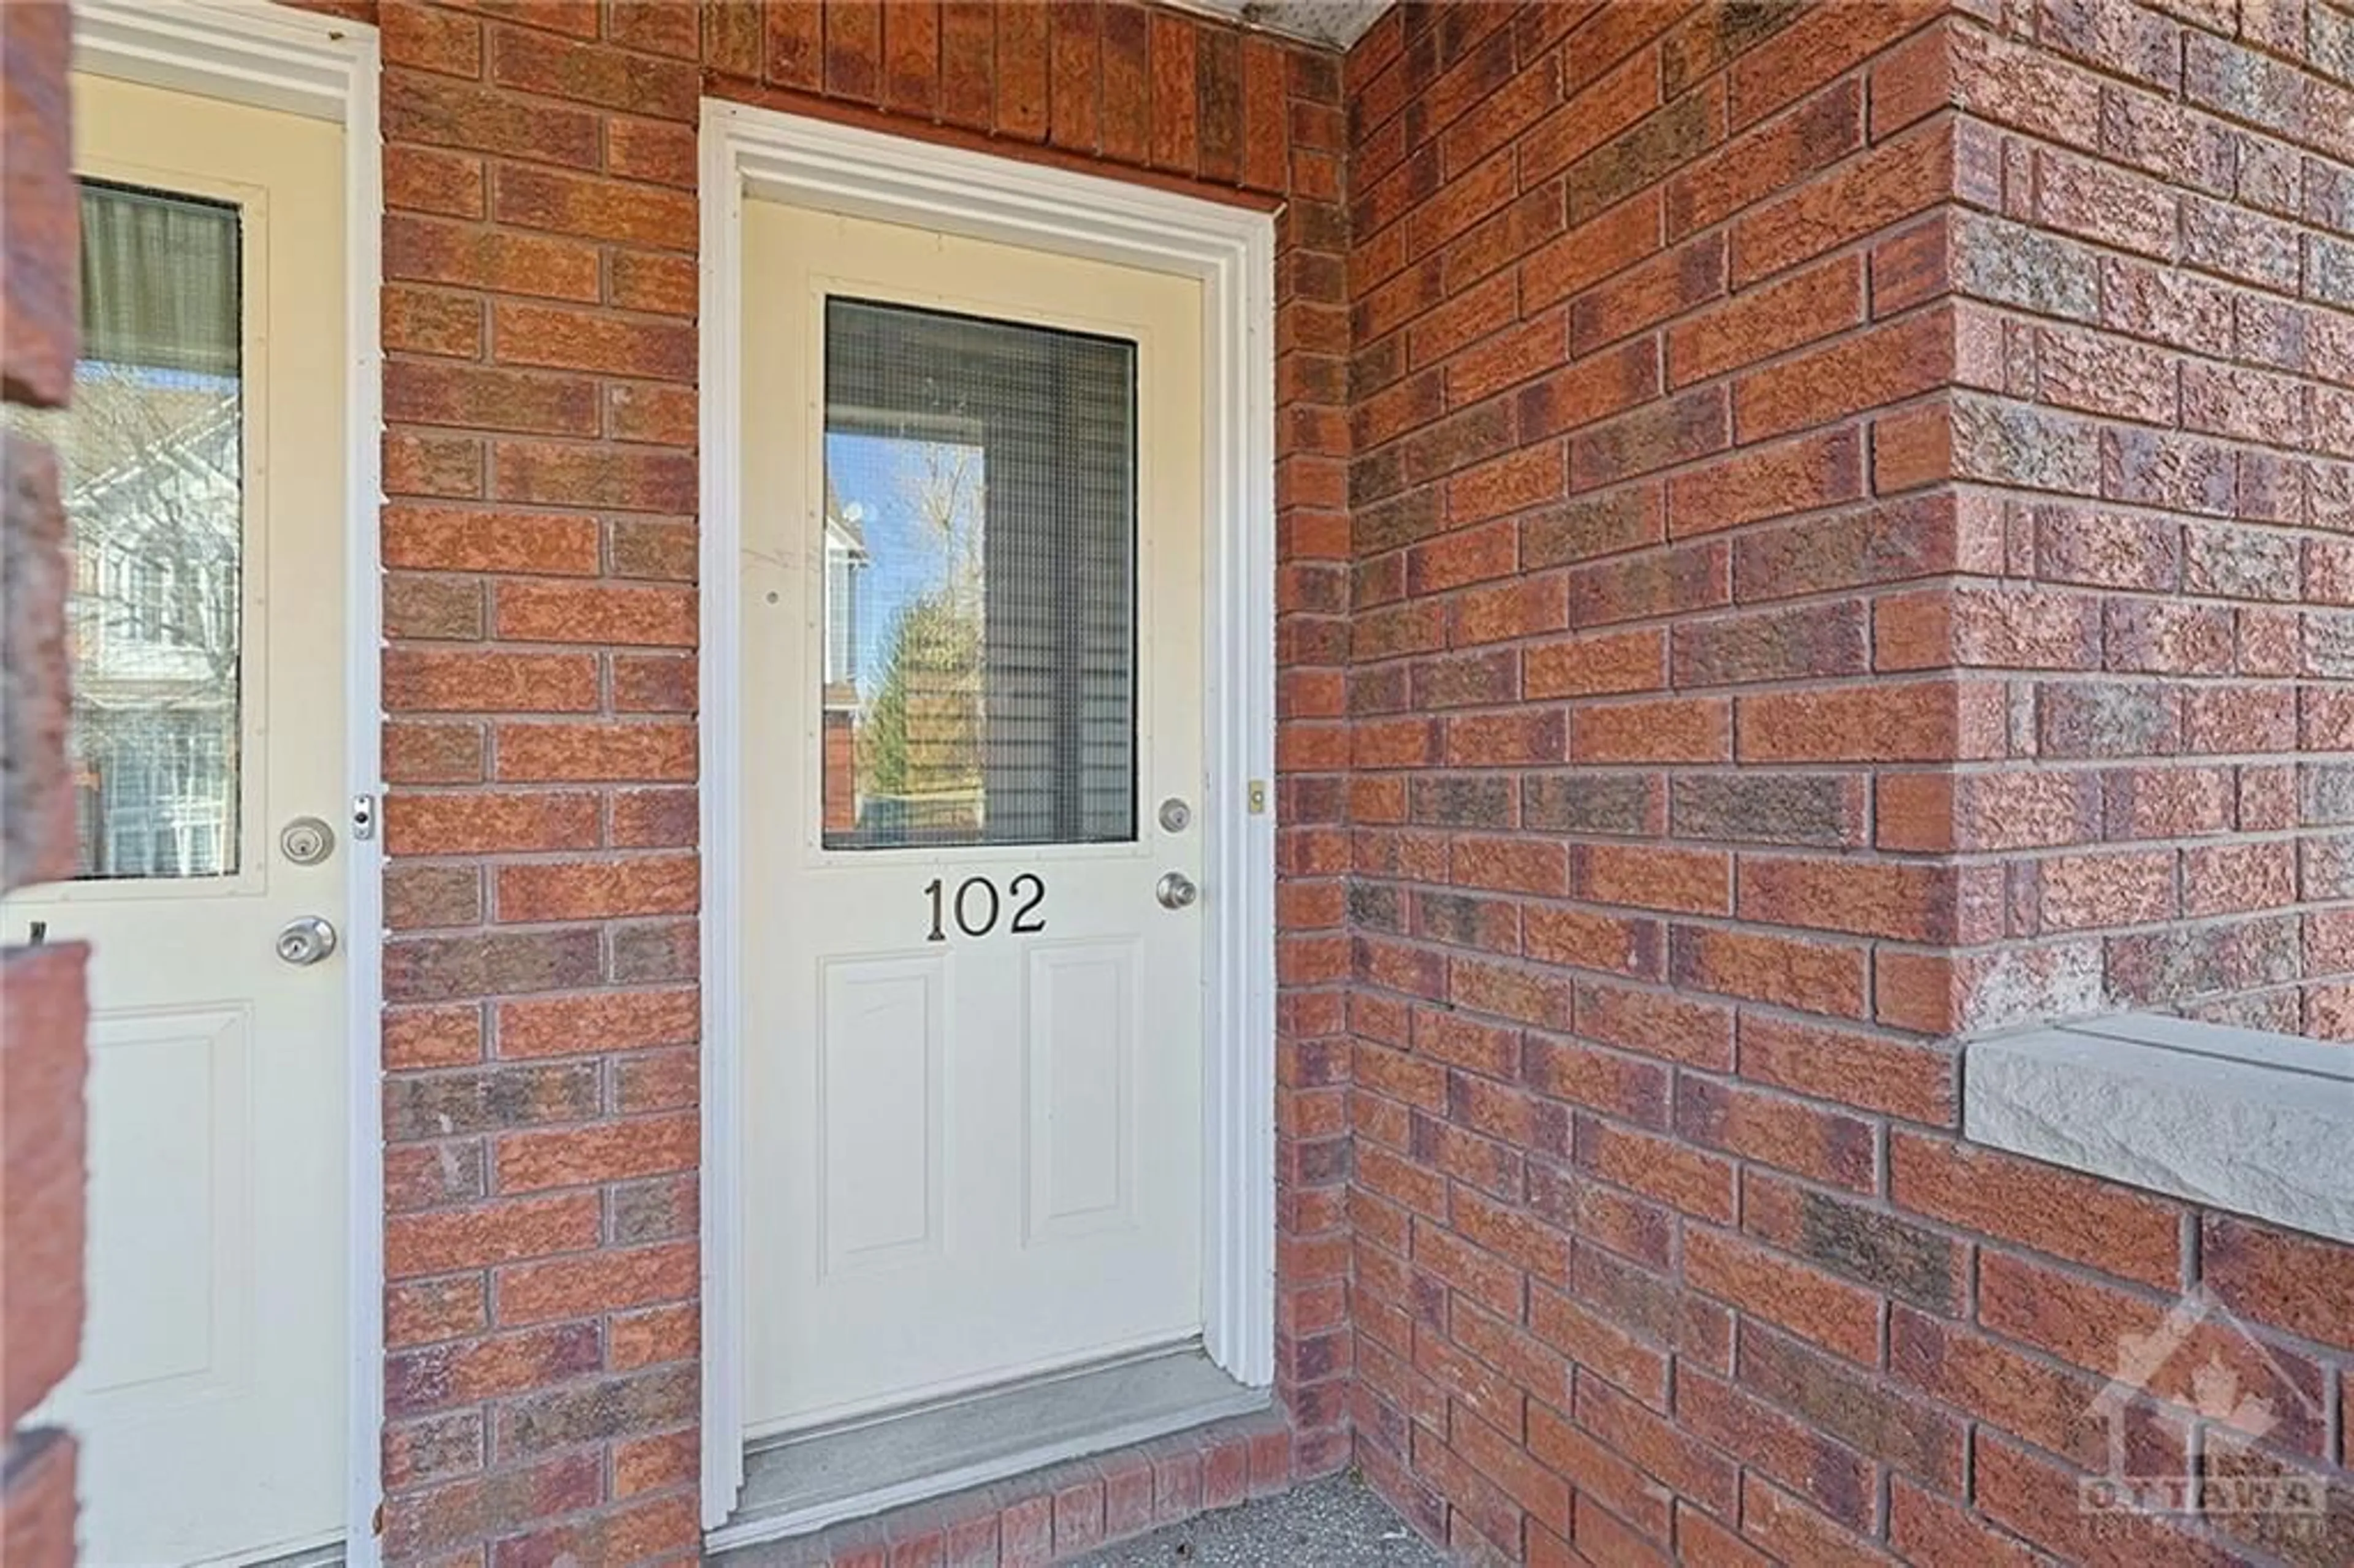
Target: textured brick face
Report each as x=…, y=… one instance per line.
x=42, y=1067
x=37, y=802
x=43, y=1007
x=1846, y=505
x=39, y=324
x=2163, y=437
x=540, y=1106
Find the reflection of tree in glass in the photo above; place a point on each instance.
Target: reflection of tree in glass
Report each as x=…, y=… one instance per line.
x=151, y=464
x=922, y=735
x=920, y=741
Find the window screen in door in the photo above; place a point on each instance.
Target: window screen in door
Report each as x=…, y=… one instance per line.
x=152, y=461
x=979, y=674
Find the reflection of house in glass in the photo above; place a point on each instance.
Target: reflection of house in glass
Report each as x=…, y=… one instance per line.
x=845, y=564
x=151, y=472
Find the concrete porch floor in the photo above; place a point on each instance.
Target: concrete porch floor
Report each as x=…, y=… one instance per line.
x=1338, y=1520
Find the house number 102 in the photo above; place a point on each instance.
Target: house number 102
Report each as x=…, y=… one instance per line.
x=976, y=906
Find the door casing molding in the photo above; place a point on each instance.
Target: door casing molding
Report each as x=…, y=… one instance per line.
x=273, y=57
x=807, y=162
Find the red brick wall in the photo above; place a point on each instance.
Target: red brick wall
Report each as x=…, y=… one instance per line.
x=1775, y=429
x=1847, y=553
x=43, y=1006
x=2162, y=419
x=540, y=1383
x=541, y=1036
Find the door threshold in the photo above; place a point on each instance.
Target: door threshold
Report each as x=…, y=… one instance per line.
x=807, y=1480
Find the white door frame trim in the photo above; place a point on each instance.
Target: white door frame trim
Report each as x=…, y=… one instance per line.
x=273, y=56
x=865, y=174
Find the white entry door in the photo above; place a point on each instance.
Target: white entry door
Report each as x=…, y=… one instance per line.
x=972, y=742
x=203, y=470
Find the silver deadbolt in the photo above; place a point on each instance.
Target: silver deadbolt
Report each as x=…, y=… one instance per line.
x=1175, y=890
x=306, y=841
x=305, y=940
x=1175, y=815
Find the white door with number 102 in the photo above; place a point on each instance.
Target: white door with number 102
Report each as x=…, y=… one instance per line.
x=972, y=611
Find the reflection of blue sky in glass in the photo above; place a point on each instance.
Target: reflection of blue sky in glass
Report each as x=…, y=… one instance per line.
x=908, y=556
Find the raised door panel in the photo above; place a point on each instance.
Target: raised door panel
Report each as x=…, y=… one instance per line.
x=879, y=1081
x=1079, y=1141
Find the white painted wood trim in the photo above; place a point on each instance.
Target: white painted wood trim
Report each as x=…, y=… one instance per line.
x=364, y=702
x=327, y=69
x=719, y=682
x=1231, y=249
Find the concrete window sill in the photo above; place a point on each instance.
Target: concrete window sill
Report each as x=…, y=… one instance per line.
x=2257, y=1123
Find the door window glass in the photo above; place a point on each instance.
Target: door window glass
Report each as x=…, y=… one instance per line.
x=151, y=469
x=978, y=681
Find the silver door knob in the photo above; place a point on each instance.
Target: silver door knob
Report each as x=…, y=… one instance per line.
x=1175, y=890
x=305, y=940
